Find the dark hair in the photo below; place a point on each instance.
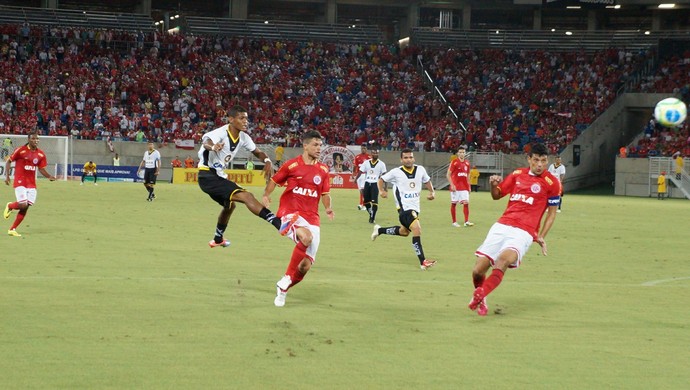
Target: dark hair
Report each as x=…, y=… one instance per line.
x=538, y=150
x=336, y=154
x=406, y=150
x=462, y=147
x=309, y=135
x=236, y=109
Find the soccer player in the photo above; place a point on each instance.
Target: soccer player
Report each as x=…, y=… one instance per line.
x=306, y=183
x=458, y=177
x=557, y=169
x=27, y=160
x=218, y=149
x=407, y=181
x=89, y=170
x=532, y=190
x=359, y=160
x=372, y=170
x=151, y=165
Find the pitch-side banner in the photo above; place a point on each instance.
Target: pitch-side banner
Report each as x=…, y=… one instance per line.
x=109, y=172
x=255, y=178
x=342, y=180
x=242, y=177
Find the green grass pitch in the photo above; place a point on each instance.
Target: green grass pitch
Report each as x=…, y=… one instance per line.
x=108, y=291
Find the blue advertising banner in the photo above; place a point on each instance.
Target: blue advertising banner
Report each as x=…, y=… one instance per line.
x=109, y=172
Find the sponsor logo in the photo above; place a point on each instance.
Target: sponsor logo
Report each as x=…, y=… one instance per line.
x=522, y=198
x=337, y=180
x=29, y=168
x=306, y=192
x=411, y=195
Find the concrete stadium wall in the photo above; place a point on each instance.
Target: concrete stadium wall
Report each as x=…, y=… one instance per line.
x=131, y=154
x=633, y=179
x=599, y=144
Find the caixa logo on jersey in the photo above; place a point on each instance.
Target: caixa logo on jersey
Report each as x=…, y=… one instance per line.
x=522, y=198
x=306, y=192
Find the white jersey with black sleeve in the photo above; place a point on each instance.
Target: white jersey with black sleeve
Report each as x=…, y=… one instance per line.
x=407, y=185
x=152, y=159
x=220, y=160
x=372, y=170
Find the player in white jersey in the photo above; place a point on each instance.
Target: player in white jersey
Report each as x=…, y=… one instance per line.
x=151, y=165
x=218, y=148
x=558, y=170
x=371, y=170
x=407, y=181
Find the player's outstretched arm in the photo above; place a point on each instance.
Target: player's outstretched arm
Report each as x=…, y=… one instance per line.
x=268, y=164
x=266, y=199
x=430, y=187
x=382, y=188
x=326, y=200
x=494, y=181
x=46, y=174
x=8, y=166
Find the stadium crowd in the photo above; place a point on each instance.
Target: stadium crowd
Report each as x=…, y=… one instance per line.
x=96, y=84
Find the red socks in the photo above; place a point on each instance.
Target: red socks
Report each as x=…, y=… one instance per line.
x=452, y=211
x=298, y=254
x=14, y=206
x=466, y=211
x=19, y=219
x=478, y=280
x=492, y=281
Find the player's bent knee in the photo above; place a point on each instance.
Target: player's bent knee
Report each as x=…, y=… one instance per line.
x=304, y=236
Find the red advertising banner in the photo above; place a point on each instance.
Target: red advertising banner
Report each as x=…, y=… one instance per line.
x=342, y=180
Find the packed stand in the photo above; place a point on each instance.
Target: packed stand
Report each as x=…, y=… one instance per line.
x=509, y=98
x=99, y=84
x=672, y=77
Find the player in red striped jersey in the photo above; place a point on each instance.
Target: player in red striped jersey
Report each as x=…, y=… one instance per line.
x=27, y=160
x=532, y=191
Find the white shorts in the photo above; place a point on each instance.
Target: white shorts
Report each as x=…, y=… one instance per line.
x=315, y=236
x=502, y=237
x=24, y=194
x=460, y=197
x=360, y=182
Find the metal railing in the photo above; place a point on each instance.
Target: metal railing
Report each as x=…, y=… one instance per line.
x=540, y=39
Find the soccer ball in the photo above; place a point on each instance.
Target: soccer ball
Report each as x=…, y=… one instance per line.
x=670, y=112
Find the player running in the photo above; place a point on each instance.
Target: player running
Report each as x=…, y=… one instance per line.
x=27, y=160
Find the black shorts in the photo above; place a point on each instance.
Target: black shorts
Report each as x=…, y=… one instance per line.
x=150, y=176
x=407, y=218
x=370, y=193
x=218, y=188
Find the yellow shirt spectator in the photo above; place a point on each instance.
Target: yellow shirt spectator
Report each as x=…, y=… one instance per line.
x=474, y=179
x=661, y=186
x=279, y=153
